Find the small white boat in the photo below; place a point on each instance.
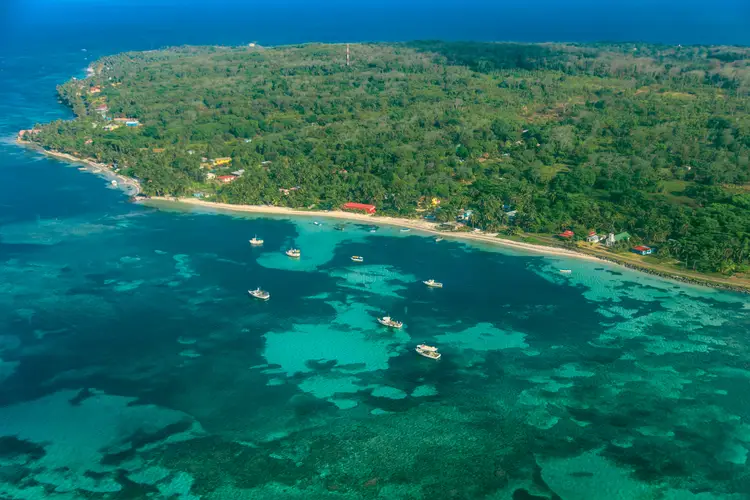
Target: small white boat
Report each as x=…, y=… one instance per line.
x=256, y=242
x=566, y=271
x=433, y=284
x=293, y=252
x=390, y=322
x=357, y=258
x=405, y=229
x=113, y=182
x=316, y=223
x=438, y=239
x=259, y=294
x=428, y=351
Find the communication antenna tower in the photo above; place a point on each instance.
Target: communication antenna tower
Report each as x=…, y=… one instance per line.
x=347, y=54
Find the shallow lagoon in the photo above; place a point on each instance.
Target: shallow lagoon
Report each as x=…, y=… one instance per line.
x=136, y=343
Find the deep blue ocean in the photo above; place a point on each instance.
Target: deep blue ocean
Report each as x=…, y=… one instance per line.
x=133, y=364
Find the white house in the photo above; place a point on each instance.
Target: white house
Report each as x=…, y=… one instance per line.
x=593, y=237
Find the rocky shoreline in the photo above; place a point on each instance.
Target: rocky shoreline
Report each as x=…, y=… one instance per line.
x=677, y=277
x=127, y=184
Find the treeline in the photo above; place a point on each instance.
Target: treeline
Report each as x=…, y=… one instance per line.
x=655, y=141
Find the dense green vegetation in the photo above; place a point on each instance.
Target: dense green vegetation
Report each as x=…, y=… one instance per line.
x=653, y=140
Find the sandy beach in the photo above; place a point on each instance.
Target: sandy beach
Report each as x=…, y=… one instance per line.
x=423, y=226
x=416, y=224
x=132, y=187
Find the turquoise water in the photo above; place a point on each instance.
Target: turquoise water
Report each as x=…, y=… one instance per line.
x=134, y=365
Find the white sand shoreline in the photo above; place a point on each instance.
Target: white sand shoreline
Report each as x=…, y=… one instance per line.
x=419, y=225
x=127, y=184
x=132, y=187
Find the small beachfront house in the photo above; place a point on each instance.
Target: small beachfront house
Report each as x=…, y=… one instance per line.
x=566, y=235
x=642, y=250
x=465, y=216
x=612, y=239
x=592, y=237
x=364, y=207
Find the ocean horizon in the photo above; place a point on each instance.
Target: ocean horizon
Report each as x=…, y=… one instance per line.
x=133, y=363
x=118, y=25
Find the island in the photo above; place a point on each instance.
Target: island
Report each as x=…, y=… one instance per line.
x=634, y=153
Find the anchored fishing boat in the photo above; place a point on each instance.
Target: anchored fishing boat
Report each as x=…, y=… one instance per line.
x=357, y=258
x=428, y=351
x=566, y=271
x=256, y=242
x=433, y=284
x=294, y=253
x=390, y=322
x=259, y=294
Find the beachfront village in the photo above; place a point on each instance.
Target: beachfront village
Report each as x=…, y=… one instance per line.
x=248, y=166
x=219, y=171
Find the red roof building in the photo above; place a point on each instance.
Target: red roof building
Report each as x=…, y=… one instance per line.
x=368, y=209
x=567, y=234
x=643, y=250
x=95, y=89
x=226, y=179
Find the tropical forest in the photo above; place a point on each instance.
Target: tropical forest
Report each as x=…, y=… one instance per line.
x=531, y=139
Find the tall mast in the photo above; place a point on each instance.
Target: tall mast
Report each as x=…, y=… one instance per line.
x=347, y=54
